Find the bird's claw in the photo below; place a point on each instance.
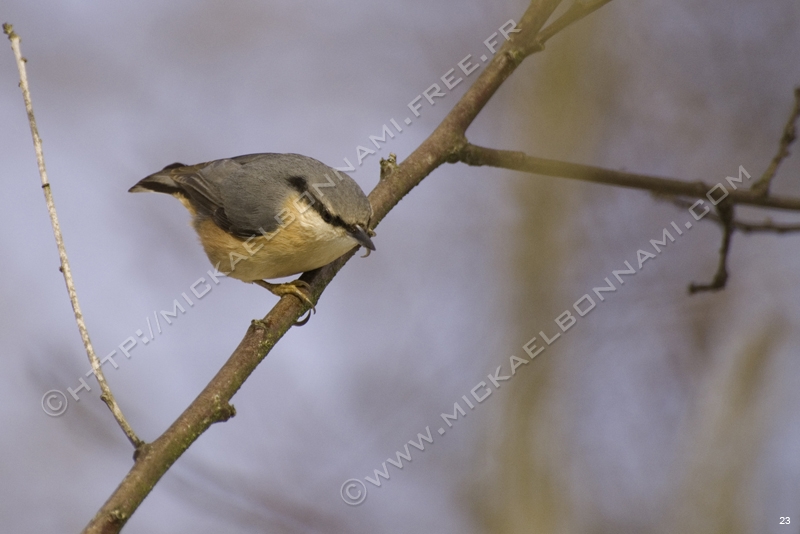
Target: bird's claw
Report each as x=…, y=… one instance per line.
x=302, y=322
x=298, y=288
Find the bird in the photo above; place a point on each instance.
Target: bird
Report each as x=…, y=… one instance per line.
x=265, y=216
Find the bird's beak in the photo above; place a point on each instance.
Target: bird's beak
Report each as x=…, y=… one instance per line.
x=361, y=236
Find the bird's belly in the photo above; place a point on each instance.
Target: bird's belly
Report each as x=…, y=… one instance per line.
x=291, y=250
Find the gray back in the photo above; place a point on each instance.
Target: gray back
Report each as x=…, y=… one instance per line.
x=244, y=194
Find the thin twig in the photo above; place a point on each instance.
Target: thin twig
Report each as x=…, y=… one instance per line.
x=388, y=166
x=106, y=394
x=519, y=161
x=768, y=226
x=787, y=138
x=726, y=216
x=576, y=12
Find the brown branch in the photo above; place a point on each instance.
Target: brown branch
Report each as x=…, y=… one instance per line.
x=519, y=161
x=212, y=405
x=726, y=216
x=106, y=394
x=787, y=138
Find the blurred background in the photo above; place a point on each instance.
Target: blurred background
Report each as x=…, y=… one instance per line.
x=658, y=412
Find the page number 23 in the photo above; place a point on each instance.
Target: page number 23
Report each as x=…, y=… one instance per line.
x=785, y=521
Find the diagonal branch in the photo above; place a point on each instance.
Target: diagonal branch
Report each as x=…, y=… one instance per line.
x=212, y=405
x=106, y=394
x=787, y=138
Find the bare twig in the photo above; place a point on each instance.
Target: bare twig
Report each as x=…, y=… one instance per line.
x=768, y=226
x=787, y=138
x=388, y=166
x=576, y=11
x=726, y=216
x=507, y=159
x=106, y=394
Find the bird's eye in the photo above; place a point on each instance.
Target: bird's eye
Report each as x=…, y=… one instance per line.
x=326, y=217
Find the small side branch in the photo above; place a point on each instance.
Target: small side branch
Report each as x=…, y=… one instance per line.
x=106, y=394
x=768, y=226
x=726, y=217
x=576, y=12
x=787, y=138
x=519, y=161
x=388, y=166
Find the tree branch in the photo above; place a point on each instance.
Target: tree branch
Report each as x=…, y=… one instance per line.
x=519, y=161
x=787, y=138
x=768, y=226
x=726, y=216
x=212, y=405
x=106, y=394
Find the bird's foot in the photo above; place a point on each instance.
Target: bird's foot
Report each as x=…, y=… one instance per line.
x=298, y=288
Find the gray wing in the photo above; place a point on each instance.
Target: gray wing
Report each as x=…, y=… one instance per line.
x=251, y=190
x=243, y=195
x=240, y=199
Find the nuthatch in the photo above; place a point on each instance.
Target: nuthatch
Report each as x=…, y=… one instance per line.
x=269, y=215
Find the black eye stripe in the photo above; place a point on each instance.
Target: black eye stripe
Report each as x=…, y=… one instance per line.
x=300, y=184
